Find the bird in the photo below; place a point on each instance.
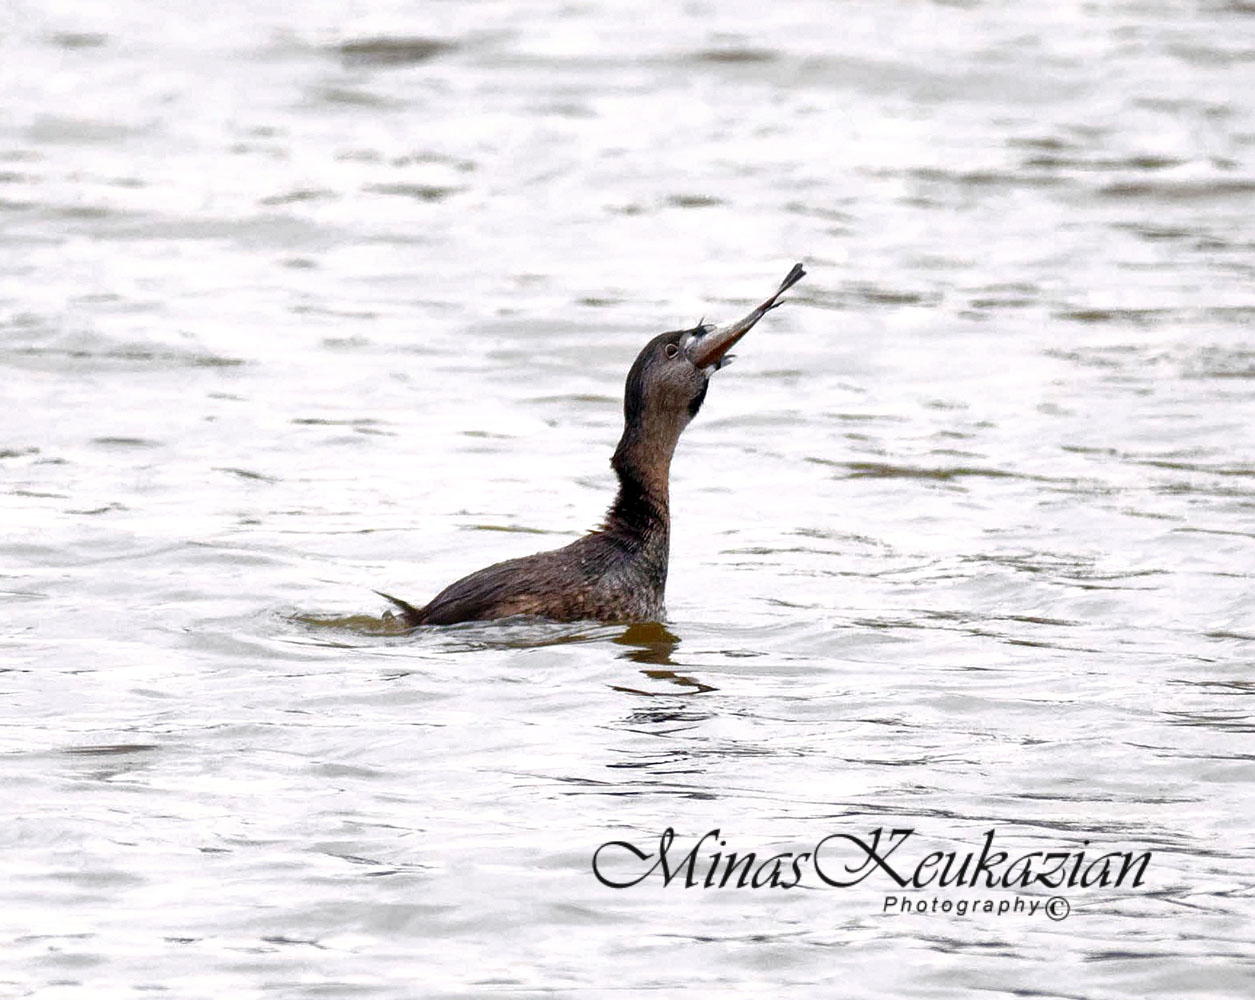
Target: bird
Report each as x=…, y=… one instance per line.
x=618, y=572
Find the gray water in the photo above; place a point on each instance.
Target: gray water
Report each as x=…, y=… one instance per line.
x=301, y=301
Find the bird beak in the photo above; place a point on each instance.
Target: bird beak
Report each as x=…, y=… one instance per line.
x=711, y=349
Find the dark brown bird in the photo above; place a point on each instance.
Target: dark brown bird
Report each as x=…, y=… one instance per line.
x=617, y=573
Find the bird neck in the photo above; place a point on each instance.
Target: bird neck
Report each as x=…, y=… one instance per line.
x=641, y=509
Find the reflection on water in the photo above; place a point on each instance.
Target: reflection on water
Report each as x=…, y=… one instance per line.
x=295, y=308
x=649, y=642
x=653, y=643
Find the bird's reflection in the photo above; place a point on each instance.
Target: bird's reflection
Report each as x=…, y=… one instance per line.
x=651, y=643
x=648, y=642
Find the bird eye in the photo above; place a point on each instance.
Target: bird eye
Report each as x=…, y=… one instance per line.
x=671, y=350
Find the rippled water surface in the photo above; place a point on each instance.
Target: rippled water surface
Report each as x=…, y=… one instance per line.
x=299, y=302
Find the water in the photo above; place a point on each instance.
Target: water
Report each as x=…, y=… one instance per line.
x=297, y=305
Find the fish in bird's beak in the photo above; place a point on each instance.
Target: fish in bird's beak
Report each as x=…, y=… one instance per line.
x=711, y=349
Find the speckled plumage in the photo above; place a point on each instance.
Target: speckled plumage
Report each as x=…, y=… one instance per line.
x=617, y=573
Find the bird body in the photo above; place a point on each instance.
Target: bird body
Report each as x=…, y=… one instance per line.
x=617, y=573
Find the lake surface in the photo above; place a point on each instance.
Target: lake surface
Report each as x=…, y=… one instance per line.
x=296, y=303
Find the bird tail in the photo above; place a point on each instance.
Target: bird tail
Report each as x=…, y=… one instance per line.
x=410, y=615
